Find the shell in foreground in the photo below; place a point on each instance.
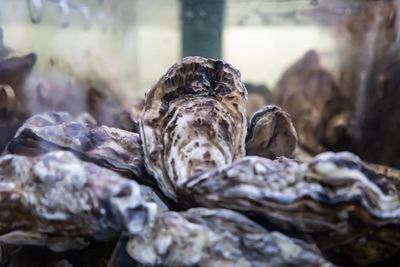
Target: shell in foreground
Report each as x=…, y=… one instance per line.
x=271, y=133
x=352, y=211
x=193, y=120
x=217, y=237
x=62, y=202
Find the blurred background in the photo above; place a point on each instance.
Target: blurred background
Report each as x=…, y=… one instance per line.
x=131, y=43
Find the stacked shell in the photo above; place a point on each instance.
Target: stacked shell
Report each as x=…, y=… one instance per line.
x=351, y=210
x=62, y=202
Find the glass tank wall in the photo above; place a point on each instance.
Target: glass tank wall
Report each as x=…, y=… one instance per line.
x=131, y=43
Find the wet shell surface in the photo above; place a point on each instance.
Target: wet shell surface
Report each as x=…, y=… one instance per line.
x=193, y=120
x=217, y=237
x=350, y=210
x=59, y=201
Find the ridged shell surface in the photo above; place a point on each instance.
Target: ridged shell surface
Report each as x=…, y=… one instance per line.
x=351, y=209
x=193, y=120
x=217, y=237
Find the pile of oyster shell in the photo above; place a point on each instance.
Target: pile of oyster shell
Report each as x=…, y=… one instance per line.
x=197, y=184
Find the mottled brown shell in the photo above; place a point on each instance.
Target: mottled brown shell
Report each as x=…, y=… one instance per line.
x=352, y=210
x=193, y=120
x=271, y=133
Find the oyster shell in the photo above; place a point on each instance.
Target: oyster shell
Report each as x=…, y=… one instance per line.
x=60, y=201
x=348, y=208
x=271, y=133
x=218, y=237
x=193, y=120
x=110, y=147
x=308, y=92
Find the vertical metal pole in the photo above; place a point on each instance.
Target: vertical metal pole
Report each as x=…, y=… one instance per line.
x=202, y=22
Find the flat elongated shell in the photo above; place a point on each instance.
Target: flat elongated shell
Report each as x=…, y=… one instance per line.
x=271, y=133
x=110, y=147
x=193, y=120
x=347, y=207
x=57, y=199
x=208, y=237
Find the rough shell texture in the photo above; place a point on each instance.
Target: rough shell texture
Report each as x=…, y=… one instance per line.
x=204, y=237
x=110, y=147
x=193, y=120
x=58, y=200
x=149, y=195
x=135, y=113
x=308, y=92
x=271, y=133
x=347, y=207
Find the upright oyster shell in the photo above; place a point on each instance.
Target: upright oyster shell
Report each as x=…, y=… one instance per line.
x=110, y=147
x=351, y=211
x=193, y=120
x=271, y=133
x=319, y=110
x=58, y=200
x=217, y=237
